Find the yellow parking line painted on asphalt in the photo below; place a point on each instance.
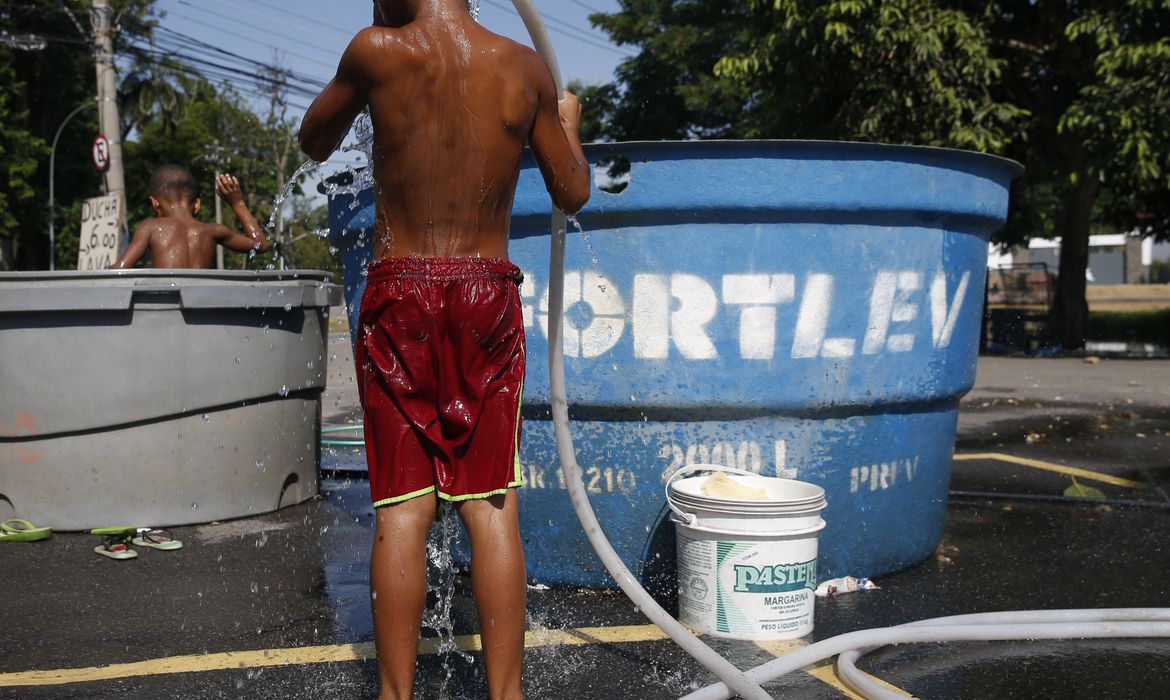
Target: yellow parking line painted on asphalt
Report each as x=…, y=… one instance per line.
x=292, y=656
x=825, y=672
x=193, y=663
x=1049, y=466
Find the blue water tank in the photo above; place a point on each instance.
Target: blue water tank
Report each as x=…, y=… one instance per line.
x=808, y=310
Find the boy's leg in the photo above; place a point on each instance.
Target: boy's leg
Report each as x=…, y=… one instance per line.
x=499, y=583
x=398, y=589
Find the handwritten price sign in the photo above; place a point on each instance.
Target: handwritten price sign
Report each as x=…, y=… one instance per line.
x=101, y=232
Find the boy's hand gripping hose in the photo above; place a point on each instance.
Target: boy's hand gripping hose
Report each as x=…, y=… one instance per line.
x=721, y=667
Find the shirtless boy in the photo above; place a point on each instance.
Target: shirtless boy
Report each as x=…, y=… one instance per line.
x=175, y=237
x=440, y=360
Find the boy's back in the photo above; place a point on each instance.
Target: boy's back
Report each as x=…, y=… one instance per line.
x=175, y=238
x=177, y=242
x=452, y=107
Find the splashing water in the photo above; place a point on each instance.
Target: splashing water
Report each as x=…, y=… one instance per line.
x=473, y=9
x=441, y=583
x=361, y=178
x=285, y=191
x=584, y=237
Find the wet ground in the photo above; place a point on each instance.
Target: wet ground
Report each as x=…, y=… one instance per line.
x=276, y=606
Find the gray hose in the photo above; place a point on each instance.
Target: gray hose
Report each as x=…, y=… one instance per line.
x=702, y=653
x=1001, y=626
x=866, y=686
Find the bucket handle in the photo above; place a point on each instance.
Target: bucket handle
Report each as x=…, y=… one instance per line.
x=686, y=518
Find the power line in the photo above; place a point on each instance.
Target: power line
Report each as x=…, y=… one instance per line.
x=265, y=30
x=587, y=7
x=585, y=32
x=73, y=18
x=249, y=39
x=256, y=78
x=173, y=37
x=51, y=38
x=219, y=69
x=184, y=51
x=214, y=77
x=278, y=20
x=572, y=32
x=314, y=20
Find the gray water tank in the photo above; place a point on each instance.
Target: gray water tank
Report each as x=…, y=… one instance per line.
x=160, y=397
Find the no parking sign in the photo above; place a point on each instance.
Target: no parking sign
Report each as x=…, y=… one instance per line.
x=101, y=153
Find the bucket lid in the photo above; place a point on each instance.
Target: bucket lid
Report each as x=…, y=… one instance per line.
x=758, y=508
x=780, y=535
x=786, y=492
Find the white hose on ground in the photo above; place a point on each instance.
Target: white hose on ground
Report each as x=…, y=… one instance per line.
x=1000, y=626
x=702, y=653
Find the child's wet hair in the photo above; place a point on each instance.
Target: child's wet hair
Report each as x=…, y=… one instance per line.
x=173, y=182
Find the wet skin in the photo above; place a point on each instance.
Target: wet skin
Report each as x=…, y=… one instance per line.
x=452, y=107
x=176, y=239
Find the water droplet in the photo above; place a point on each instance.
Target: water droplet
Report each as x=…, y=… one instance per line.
x=194, y=506
x=237, y=360
x=206, y=418
x=283, y=391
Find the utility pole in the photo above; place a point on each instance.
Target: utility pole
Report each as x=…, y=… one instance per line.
x=215, y=154
x=108, y=121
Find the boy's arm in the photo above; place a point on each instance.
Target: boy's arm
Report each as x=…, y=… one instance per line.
x=328, y=119
x=556, y=144
x=228, y=187
x=139, y=242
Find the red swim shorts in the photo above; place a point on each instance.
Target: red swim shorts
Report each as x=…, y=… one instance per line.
x=440, y=371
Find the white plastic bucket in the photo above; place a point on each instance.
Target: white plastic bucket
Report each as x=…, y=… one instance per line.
x=746, y=568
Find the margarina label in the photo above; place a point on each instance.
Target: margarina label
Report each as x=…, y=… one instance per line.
x=747, y=590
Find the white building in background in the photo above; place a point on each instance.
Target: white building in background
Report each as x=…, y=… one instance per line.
x=1113, y=258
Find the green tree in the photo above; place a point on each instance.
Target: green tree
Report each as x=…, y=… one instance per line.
x=20, y=152
x=217, y=128
x=1095, y=78
x=38, y=89
x=1076, y=91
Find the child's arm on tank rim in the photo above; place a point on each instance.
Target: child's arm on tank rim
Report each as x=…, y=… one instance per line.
x=555, y=142
x=228, y=188
x=139, y=242
x=329, y=118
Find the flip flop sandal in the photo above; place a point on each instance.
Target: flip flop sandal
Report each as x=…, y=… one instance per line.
x=17, y=530
x=157, y=539
x=115, y=547
x=124, y=530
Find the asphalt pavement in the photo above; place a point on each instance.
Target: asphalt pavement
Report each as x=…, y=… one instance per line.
x=276, y=606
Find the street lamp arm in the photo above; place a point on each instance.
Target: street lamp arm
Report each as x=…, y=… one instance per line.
x=52, y=182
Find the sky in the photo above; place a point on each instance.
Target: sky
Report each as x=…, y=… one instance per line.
x=308, y=37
